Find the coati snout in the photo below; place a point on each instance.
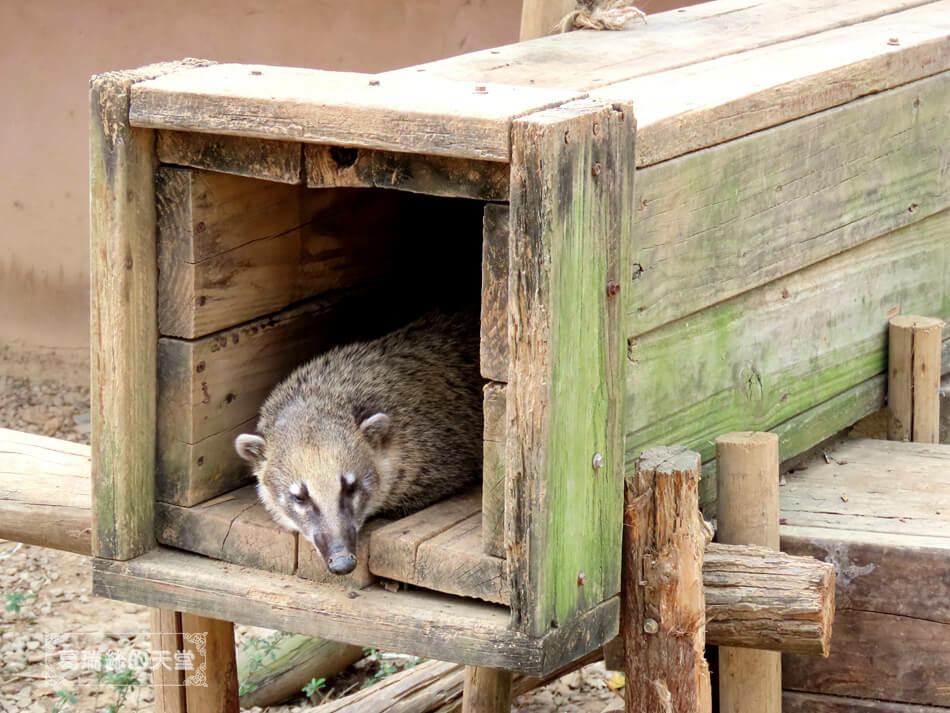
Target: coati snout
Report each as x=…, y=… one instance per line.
x=381, y=427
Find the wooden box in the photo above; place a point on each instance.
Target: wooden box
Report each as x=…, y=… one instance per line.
x=685, y=228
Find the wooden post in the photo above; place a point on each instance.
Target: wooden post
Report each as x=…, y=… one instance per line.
x=749, y=679
x=213, y=688
x=663, y=609
x=167, y=682
x=540, y=17
x=487, y=690
x=913, y=388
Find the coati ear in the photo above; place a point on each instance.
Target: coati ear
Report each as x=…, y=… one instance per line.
x=250, y=447
x=375, y=429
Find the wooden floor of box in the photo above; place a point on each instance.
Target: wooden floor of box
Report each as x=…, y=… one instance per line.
x=880, y=510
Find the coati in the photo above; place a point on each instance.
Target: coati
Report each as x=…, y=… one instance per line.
x=378, y=427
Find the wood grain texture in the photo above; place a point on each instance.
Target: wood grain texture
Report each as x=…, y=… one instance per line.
x=541, y=17
x=493, y=471
x=45, y=492
x=210, y=390
x=768, y=355
x=719, y=222
x=421, y=623
x=486, y=690
x=570, y=216
x=280, y=161
x=337, y=166
x=697, y=105
x=123, y=318
x=663, y=605
x=168, y=683
x=748, y=515
x=582, y=61
x=417, y=114
x=797, y=702
x=913, y=379
x=493, y=347
x=212, y=688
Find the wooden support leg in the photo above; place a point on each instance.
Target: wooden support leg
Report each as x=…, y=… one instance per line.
x=749, y=679
x=215, y=689
x=662, y=586
x=913, y=388
x=487, y=690
x=167, y=682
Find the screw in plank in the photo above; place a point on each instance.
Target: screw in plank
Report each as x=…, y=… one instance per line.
x=650, y=626
x=596, y=128
x=581, y=579
x=567, y=136
x=894, y=42
x=374, y=82
x=481, y=89
x=598, y=461
x=596, y=169
x=613, y=287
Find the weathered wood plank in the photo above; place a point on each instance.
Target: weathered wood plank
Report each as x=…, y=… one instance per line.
x=584, y=60
x=416, y=114
x=697, y=105
x=123, y=316
x=311, y=564
x=210, y=390
x=913, y=379
x=572, y=194
x=761, y=358
x=797, y=702
x=879, y=655
x=494, y=315
x=540, y=17
x=280, y=161
x=210, y=642
x=493, y=471
x=167, y=682
x=234, y=528
x=45, y=492
x=486, y=690
x=420, y=623
x=724, y=220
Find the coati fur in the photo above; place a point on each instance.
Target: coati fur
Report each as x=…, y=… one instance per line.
x=382, y=427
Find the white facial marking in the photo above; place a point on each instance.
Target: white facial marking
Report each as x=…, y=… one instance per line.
x=296, y=489
x=349, y=479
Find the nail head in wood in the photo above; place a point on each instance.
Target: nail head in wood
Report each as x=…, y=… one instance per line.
x=597, y=462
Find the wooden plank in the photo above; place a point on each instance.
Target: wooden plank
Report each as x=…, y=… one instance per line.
x=280, y=161
x=212, y=687
x=416, y=114
x=235, y=528
x=311, y=564
x=45, y=492
x=571, y=200
x=797, y=702
x=337, y=166
x=493, y=471
x=913, y=379
x=123, y=316
x=420, y=623
x=879, y=655
x=541, y=17
x=210, y=390
x=486, y=690
x=167, y=682
x=584, y=60
x=664, y=624
x=761, y=358
x=493, y=348
x=697, y=105
x=769, y=204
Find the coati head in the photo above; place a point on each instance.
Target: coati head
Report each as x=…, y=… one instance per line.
x=321, y=479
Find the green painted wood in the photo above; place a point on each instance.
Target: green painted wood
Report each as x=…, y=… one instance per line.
x=757, y=360
x=123, y=316
x=572, y=195
x=718, y=222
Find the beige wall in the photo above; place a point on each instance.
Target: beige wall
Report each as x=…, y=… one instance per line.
x=49, y=49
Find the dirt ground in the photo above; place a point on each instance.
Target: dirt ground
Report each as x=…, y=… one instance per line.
x=52, y=590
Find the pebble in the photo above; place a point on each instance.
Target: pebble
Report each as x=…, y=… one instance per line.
x=32, y=645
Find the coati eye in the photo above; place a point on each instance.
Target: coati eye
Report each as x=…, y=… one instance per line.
x=298, y=491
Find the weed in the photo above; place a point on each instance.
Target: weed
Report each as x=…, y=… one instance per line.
x=124, y=682
x=15, y=600
x=315, y=685
x=64, y=698
x=258, y=649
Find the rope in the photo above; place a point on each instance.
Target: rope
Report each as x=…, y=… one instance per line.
x=608, y=15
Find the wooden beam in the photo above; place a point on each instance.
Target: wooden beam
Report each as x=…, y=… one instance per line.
x=541, y=17
x=280, y=161
x=913, y=388
x=212, y=686
x=123, y=271
x=45, y=492
x=493, y=345
x=748, y=515
x=663, y=607
x=487, y=690
x=797, y=702
x=493, y=471
x=570, y=212
x=415, y=114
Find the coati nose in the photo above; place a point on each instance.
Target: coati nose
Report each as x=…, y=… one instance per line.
x=341, y=562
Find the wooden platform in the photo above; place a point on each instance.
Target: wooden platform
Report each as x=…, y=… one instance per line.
x=879, y=510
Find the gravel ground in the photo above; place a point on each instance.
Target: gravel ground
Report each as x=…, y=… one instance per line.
x=53, y=590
